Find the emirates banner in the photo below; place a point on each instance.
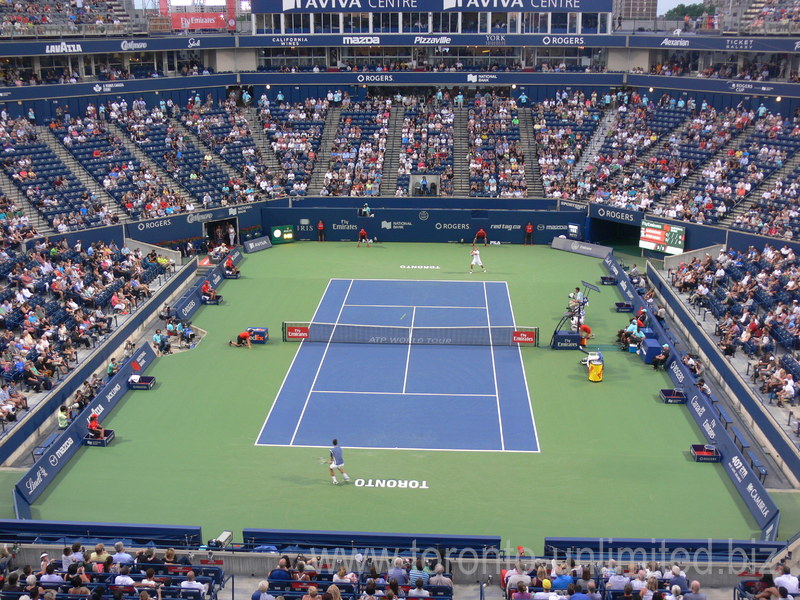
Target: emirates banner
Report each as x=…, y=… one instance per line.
x=199, y=20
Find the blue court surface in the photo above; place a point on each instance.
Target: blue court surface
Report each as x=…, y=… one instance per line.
x=402, y=395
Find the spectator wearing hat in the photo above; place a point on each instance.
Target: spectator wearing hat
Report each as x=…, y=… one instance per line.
x=660, y=359
x=546, y=592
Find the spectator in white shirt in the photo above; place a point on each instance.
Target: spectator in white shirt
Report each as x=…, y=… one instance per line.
x=640, y=580
x=784, y=578
x=190, y=584
x=124, y=577
x=419, y=591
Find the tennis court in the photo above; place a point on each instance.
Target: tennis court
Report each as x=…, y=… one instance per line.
x=433, y=359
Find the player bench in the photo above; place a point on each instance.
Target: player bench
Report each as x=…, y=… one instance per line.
x=741, y=441
x=723, y=416
x=608, y=280
x=757, y=466
x=42, y=448
x=211, y=301
x=623, y=307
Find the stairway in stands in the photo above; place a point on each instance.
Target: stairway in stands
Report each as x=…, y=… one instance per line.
x=261, y=140
x=328, y=134
x=721, y=154
x=596, y=142
x=223, y=164
x=145, y=160
x=527, y=134
x=744, y=205
x=13, y=193
x=393, y=148
x=82, y=174
x=460, y=151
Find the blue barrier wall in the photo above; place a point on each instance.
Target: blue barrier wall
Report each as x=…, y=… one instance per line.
x=83, y=371
x=45, y=470
x=755, y=496
x=395, y=225
x=189, y=302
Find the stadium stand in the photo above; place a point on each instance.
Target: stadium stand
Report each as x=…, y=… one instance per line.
x=427, y=144
x=294, y=133
x=359, y=148
x=496, y=158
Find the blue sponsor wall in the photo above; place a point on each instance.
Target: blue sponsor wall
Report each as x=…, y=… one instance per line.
x=189, y=302
x=395, y=225
x=759, y=503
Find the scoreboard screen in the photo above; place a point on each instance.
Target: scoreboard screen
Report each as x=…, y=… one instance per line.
x=662, y=237
x=281, y=234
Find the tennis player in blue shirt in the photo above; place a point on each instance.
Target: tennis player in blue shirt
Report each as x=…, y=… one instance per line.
x=337, y=462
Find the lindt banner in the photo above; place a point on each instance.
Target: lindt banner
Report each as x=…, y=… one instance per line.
x=201, y=20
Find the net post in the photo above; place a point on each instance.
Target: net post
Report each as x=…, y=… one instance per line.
x=283, y=330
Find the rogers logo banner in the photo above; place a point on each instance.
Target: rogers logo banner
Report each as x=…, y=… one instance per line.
x=192, y=21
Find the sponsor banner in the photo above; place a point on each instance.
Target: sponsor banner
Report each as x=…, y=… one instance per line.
x=296, y=333
x=257, y=244
x=89, y=46
x=117, y=88
x=570, y=205
x=754, y=44
x=620, y=215
x=755, y=497
x=44, y=470
x=524, y=337
x=585, y=248
x=449, y=39
x=199, y=20
x=407, y=225
x=370, y=6
x=723, y=86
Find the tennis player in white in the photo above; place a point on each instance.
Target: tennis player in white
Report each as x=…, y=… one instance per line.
x=476, y=260
x=337, y=462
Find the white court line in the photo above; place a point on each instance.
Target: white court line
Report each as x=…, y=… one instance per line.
x=422, y=280
x=406, y=394
x=408, y=356
x=291, y=366
x=413, y=306
x=405, y=449
x=321, y=362
x=522, y=366
x=494, y=368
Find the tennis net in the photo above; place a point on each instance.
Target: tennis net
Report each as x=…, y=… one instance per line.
x=389, y=334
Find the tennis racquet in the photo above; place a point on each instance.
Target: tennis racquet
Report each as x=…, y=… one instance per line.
x=323, y=460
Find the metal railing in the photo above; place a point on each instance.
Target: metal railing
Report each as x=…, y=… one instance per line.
x=8, y=30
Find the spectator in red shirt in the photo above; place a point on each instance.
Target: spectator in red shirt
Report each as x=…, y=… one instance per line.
x=95, y=429
x=208, y=291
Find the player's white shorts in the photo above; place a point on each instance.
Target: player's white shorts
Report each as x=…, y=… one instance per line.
x=335, y=466
x=476, y=260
